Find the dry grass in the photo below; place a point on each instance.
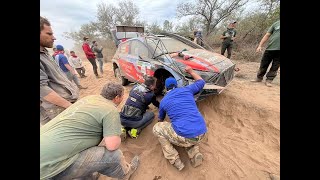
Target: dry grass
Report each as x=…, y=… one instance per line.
x=246, y=52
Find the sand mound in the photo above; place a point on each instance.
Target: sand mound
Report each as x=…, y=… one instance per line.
x=243, y=134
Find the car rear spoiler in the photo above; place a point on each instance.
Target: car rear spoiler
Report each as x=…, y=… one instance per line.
x=139, y=29
x=121, y=33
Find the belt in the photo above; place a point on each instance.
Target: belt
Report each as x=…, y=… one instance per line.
x=197, y=138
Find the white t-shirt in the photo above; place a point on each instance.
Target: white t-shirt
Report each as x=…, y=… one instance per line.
x=75, y=62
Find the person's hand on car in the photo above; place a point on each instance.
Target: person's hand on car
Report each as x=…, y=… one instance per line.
x=189, y=69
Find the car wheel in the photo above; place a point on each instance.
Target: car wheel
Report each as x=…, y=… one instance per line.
x=120, y=78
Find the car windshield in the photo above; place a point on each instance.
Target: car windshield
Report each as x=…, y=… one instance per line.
x=171, y=45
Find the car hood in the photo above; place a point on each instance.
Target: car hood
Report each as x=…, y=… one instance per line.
x=203, y=60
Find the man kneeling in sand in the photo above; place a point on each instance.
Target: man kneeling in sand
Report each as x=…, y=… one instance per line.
x=187, y=127
x=69, y=143
x=134, y=114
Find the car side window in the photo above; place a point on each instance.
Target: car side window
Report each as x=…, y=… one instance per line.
x=124, y=48
x=139, y=49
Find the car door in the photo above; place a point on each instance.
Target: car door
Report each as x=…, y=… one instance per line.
x=140, y=58
x=125, y=61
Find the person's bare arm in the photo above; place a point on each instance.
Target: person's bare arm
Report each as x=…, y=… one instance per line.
x=56, y=99
x=192, y=73
x=263, y=40
x=46, y=93
x=111, y=143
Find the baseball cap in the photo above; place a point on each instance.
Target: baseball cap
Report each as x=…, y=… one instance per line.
x=85, y=38
x=170, y=83
x=59, y=48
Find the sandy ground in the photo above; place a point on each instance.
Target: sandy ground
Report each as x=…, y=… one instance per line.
x=243, y=132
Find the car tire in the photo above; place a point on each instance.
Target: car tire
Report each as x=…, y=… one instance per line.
x=120, y=78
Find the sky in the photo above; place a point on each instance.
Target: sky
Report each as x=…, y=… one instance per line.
x=69, y=15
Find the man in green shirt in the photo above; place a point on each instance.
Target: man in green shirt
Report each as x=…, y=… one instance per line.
x=228, y=37
x=85, y=139
x=271, y=54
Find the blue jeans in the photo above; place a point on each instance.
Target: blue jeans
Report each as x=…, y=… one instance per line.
x=96, y=159
x=100, y=62
x=144, y=122
x=73, y=78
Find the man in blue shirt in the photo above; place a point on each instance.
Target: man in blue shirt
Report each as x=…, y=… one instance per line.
x=187, y=127
x=63, y=62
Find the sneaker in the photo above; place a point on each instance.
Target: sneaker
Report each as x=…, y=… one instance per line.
x=178, y=164
x=256, y=80
x=133, y=133
x=123, y=135
x=268, y=83
x=197, y=160
x=133, y=167
x=81, y=87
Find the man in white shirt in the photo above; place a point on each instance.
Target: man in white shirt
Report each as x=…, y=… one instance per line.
x=76, y=63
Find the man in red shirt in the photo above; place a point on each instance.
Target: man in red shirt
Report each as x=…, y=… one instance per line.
x=90, y=55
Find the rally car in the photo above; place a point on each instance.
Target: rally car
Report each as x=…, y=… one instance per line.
x=167, y=54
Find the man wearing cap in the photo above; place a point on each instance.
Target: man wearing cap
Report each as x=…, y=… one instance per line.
x=66, y=67
x=56, y=91
x=90, y=55
x=271, y=54
x=187, y=127
x=228, y=37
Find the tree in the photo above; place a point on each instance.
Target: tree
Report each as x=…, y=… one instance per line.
x=254, y=25
x=211, y=12
x=126, y=13
x=154, y=28
x=108, y=16
x=186, y=29
x=167, y=26
x=88, y=30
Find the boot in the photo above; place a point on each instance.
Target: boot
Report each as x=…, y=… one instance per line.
x=123, y=135
x=256, y=80
x=197, y=160
x=133, y=167
x=268, y=83
x=178, y=164
x=133, y=133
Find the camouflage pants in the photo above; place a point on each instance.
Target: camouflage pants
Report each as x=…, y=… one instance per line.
x=167, y=136
x=47, y=115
